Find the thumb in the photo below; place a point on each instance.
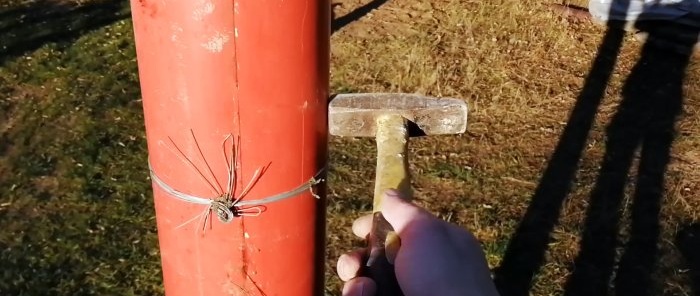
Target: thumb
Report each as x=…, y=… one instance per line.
x=399, y=212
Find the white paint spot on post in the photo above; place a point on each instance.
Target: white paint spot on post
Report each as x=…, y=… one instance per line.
x=176, y=32
x=216, y=43
x=182, y=96
x=207, y=8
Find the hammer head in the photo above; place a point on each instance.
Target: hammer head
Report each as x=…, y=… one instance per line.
x=356, y=115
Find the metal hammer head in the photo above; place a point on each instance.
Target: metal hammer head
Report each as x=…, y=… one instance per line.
x=356, y=114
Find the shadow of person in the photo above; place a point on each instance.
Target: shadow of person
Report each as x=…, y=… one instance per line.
x=526, y=249
x=644, y=123
x=27, y=27
x=652, y=98
x=688, y=242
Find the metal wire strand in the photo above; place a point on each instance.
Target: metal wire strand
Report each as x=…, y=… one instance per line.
x=226, y=210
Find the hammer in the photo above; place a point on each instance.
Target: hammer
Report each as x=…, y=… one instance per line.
x=391, y=118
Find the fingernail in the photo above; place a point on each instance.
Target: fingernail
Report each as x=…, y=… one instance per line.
x=343, y=268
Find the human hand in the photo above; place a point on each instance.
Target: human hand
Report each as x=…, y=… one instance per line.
x=435, y=257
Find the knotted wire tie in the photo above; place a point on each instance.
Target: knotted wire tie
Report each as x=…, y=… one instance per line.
x=226, y=208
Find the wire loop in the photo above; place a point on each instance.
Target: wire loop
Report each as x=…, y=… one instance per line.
x=226, y=208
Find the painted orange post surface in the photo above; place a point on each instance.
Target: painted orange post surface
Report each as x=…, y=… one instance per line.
x=258, y=70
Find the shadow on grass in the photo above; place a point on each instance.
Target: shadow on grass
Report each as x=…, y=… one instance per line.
x=688, y=242
x=526, y=250
x=340, y=22
x=27, y=27
x=651, y=101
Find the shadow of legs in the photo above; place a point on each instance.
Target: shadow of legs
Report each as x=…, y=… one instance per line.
x=657, y=82
x=527, y=247
x=594, y=263
x=688, y=242
x=652, y=99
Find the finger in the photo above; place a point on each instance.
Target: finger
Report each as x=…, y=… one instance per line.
x=362, y=226
x=399, y=212
x=360, y=286
x=462, y=236
x=349, y=264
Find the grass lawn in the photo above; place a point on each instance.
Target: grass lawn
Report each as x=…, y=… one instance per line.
x=578, y=172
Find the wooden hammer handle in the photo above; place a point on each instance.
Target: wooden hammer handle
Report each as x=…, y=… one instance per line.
x=382, y=246
x=392, y=173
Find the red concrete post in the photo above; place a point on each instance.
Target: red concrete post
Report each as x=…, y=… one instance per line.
x=257, y=70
